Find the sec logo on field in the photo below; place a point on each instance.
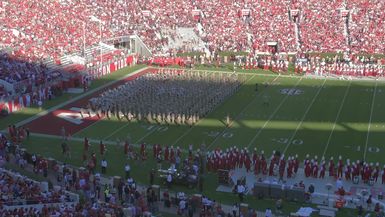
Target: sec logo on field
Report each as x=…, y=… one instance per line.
x=291, y=91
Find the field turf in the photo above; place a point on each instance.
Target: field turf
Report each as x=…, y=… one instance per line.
x=303, y=116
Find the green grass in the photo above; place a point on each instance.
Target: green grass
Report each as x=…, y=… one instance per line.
x=326, y=118
x=330, y=119
x=31, y=111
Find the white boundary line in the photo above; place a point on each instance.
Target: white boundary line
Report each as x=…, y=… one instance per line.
x=304, y=116
x=271, y=116
x=337, y=117
x=237, y=117
x=38, y=115
x=189, y=130
x=370, y=120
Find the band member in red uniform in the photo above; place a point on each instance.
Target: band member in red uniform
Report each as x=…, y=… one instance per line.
x=263, y=164
x=315, y=170
x=178, y=152
x=296, y=164
x=93, y=158
x=254, y=156
x=247, y=163
x=282, y=166
x=322, y=170
x=348, y=171
x=307, y=160
x=340, y=167
x=290, y=165
x=142, y=148
x=125, y=148
x=166, y=153
x=241, y=159
x=86, y=144
x=172, y=155
x=376, y=172
x=257, y=165
x=159, y=150
x=271, y=166
x=331, y=167
x=308, y=169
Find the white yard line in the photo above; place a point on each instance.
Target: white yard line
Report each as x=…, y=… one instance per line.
x=147, y=134
x=370, y=120
x=87, y=127
x=117, y=130
x=189, y=130
x=271, y=116
x=303, y=117
x=337, y=117
x=23, y=122
x=237, y=117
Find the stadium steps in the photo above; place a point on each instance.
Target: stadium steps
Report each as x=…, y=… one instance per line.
x=68, y=60
x=183, y=35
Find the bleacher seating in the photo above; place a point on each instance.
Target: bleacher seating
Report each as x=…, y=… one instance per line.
x=43, y=30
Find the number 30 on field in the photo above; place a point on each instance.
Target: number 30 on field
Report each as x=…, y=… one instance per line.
x=370, y=149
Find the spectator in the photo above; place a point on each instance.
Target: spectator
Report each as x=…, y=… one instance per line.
x=104, y=166
x=127, y=170
x=268, y=213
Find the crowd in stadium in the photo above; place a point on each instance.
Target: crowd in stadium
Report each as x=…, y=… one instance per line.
x=43, y=31
x=122, y=198
x=33, y=31
x=21, y=190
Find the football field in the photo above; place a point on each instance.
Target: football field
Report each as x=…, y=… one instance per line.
x=293, y=115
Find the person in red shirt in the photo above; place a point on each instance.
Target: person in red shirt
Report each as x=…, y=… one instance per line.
x=322, y=170
x=86, y=144
x=166, y=154
x=126, y=147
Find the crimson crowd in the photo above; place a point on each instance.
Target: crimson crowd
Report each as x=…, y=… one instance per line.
x=39, y=29
x=17, y=189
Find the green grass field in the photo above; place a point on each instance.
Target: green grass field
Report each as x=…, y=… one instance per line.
x=304, y=116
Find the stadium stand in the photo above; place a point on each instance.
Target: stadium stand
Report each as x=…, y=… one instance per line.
x=42, y=31
x=39, y=47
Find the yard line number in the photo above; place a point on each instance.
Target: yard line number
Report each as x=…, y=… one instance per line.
x=155, y=128
x=226, y=135
x=372, y=149
x=286, y=140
